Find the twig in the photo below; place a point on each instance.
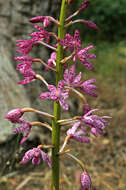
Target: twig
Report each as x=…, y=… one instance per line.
x=23, y=183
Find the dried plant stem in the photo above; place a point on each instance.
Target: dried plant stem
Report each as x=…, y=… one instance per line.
x=82, y=165
x=43, y=63
x=82, y=97
x=46, y=45
x=55, y=125
x=41, y=124
x=41, y=78
x=37, y=111
x=45, y=146
x=65, y=143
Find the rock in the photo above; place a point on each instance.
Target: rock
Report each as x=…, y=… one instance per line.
x=11, y=95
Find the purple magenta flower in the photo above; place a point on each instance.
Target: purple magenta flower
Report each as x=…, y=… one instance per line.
x=26, y=127
x=23, y=59
x=96, y=123
x=14, y=115
x=57, y=94
x=46, y=158
x=72, y=43
x=86, y=183
x=25, y=69
x=25, y=46
x=70, y=79
x=84, y=5
x=73, y=81
x=52, y=61
x=83, y=56
x=77, y=135
x=29, y=75
x=35, y=154
x=26, y=62
x=88, y=88
x=40, y=35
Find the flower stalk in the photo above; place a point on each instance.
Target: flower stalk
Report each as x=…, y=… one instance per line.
x=41, y=124
x=37, y=111
x=57, y=109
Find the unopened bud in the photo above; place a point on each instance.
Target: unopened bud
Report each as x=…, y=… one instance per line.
x=84, y=5
x=14, y=115
x=85, y=181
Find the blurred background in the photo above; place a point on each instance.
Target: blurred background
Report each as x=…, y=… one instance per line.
x=105, y=157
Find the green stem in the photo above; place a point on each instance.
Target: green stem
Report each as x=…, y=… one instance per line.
x=57, y=109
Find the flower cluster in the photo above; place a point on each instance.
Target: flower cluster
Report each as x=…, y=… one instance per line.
x=67, y=79
x=74, y=45
x=94, y=122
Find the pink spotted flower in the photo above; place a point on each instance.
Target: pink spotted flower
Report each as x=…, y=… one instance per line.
x=26, y=62
x=58, y=94
x=24, y=128
x=89, y=88
x=29, y=75
x=78, y=135
x=74, y=45
x=71, y=80
x=41, y=34
x=25, y=46
x=35, y=154
x=95, y=122
x=84, y=56
x=25, y=69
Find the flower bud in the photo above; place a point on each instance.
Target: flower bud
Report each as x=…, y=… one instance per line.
x=84, y=5
x=14, y=115
x=85, y=181
x=86, y=108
